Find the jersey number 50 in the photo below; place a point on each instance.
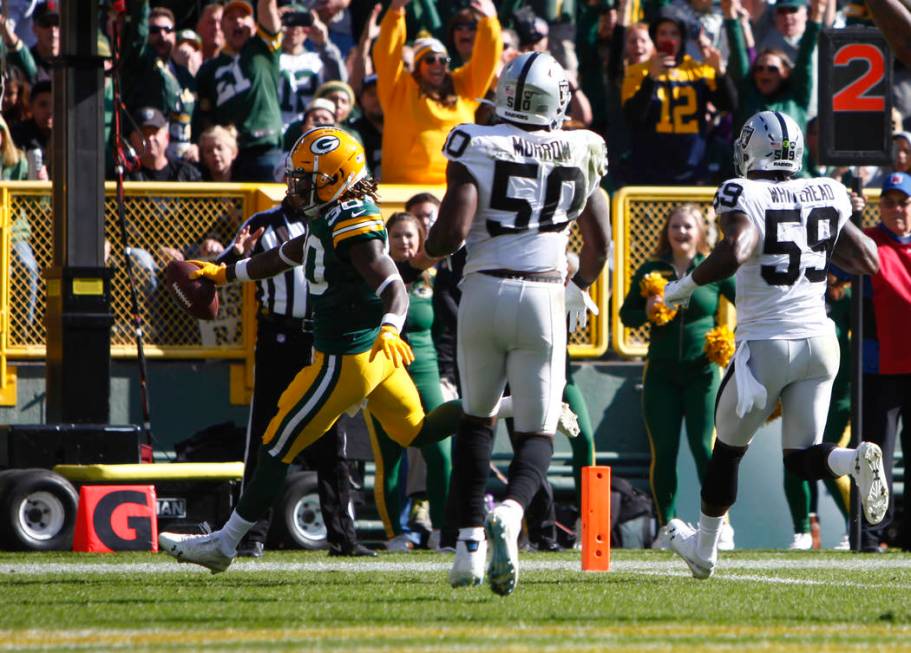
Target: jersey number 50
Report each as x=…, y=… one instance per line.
x=544, y=203
x=816, y=240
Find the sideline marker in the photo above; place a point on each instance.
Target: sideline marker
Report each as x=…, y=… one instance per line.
x=116, y=518
x=596, y=518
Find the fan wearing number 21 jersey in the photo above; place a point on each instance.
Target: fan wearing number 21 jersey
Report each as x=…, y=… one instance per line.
x=779, y=235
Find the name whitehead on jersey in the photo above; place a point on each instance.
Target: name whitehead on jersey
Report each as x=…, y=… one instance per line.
x=810, y=193
x=554, y=150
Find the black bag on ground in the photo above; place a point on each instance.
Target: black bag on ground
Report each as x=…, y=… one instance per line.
x=631, y=512
x=218, y=443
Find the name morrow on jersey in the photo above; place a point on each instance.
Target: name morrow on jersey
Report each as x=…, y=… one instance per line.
x=781, y=287
x=531, y=186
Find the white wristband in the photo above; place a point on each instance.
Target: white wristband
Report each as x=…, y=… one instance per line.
x=240, y=270
x=392, y=277
x=394, y=320
x=688, y=283
x=284, y=257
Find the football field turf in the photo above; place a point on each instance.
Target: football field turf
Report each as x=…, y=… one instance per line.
x=772, y=601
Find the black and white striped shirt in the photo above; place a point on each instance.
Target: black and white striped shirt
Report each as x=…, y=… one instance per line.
x=284, y=295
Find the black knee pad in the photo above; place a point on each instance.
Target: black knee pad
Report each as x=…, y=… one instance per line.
x=812, y=463
x=720, y=485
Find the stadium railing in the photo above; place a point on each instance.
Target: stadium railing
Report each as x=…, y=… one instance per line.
x=162, y=218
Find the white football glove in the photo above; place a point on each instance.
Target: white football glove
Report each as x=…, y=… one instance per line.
x=678, y=293
x=578, y=304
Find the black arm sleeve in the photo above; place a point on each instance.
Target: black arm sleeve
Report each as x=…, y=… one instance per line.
x=615, y=55
x=636, y=108
x=725, y=97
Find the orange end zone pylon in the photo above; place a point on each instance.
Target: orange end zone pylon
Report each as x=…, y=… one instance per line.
x=596, y=518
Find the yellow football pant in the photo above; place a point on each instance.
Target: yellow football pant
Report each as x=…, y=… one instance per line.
x=321, y=392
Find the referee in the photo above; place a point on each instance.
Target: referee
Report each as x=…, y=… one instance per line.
x=284, y=343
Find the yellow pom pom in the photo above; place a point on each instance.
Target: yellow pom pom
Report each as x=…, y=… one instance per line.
x=652, y=284
x=662, y=314
x=719, y=345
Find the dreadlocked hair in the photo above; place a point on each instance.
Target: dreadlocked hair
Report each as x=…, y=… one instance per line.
x=365, y=188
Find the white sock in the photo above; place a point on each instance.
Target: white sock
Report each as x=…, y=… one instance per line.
x=515, y=506
x=232, y=533
x=707, y=538
x=505, y=410
x=841, y=461
x=475, y=533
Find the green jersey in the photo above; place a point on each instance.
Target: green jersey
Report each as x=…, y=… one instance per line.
x=242, y=89
x=346, y=312
x=149, y=81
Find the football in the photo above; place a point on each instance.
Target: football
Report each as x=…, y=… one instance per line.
x=195, y=296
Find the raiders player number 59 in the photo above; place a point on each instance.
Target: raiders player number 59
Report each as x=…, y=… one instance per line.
x=780, y=233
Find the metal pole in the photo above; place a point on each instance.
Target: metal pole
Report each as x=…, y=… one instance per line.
x=78, y=316
x=857, y=375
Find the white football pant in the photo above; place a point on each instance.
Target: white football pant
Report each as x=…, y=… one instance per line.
x=513, y=331
x=800, y=372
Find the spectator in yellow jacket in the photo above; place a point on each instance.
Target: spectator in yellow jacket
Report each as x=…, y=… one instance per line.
x=421, y=107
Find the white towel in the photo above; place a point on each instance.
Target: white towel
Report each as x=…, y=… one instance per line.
x=750, y=392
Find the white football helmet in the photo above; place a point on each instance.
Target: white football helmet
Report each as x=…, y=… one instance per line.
x=533, y=90
x=770, y=140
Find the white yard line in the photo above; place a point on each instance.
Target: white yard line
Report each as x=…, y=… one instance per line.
x=652, y=567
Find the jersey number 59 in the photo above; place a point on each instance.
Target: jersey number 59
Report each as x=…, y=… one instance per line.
x=818, y=239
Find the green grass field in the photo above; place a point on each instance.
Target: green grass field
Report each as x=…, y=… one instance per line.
x=773, y=601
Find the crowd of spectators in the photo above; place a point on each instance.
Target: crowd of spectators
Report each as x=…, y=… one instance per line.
x=675, y=77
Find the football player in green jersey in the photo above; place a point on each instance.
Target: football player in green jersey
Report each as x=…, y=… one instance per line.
x=359, y=302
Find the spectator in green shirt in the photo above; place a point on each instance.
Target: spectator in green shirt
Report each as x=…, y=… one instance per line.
x=240, y=87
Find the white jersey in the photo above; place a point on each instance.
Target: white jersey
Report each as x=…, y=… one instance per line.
x=531, y=186
x=781, y=287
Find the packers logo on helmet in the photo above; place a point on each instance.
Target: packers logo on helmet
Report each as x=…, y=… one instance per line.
x=323, y=164
x=324, y=144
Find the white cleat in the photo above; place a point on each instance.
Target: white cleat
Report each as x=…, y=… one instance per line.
x=844, y=544
x=468, y=567
x=726, y=538
x=198, y=549
x=683, y=543
x=502, y=526
x=401, y=543
x=801, y=542
x=568, y=424
x=662, y=540
x=871, y=481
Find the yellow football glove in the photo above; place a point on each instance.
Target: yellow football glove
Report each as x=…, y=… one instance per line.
x=391, y=344
x=210, y=271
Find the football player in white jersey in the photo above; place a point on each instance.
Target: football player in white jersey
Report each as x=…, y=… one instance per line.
x=779, y=235
x=513, y=191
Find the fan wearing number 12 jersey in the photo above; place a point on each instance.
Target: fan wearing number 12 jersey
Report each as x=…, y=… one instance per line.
x=513, y=192
x=779, y=235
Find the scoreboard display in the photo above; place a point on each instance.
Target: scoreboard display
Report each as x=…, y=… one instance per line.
x=855, y=100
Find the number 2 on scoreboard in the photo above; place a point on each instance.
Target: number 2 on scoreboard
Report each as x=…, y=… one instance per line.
x=853, y=97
